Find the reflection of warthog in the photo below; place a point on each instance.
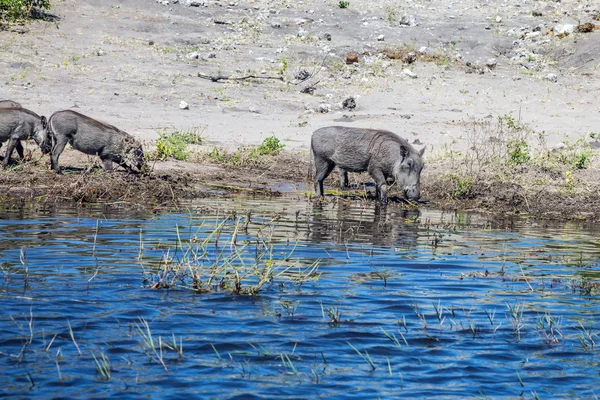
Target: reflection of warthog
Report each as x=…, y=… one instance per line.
x=18, y=124
x=93, y=137
x=382, y=153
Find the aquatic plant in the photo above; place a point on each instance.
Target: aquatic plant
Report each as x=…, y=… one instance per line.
x=246, y=267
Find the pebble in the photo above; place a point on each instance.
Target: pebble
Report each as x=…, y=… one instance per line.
x=183, y=105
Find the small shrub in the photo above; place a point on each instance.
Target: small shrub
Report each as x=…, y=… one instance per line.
x=343, y=4
x=16, y=10
x=463, y=187
x=270, y=146
x=175, y=144
x=518, y=152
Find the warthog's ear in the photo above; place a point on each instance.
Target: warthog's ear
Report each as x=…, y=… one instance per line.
x=403, y=151
x=422, y=151
x=44, y=122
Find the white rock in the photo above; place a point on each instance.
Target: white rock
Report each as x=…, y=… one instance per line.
x=498, y=19
x=423, y=50
x=183, y=105
x=552, y=77
x=563, y=29
x=380, y=38
x=409, y=73
x=324, y=108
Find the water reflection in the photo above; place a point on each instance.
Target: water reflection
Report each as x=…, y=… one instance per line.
x=443, y=303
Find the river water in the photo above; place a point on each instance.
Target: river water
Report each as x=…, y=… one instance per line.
x=284, y=298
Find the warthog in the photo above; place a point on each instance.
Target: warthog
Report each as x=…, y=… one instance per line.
x=382, y=153
x=9, y=103
x=18, y=124
x=6, y=104
x=91, y=136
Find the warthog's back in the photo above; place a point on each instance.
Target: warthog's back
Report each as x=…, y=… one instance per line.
x=9, y=103
x=84, y=133
x=351, y=148
x=11, y=117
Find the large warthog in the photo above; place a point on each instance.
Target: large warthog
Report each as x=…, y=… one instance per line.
x=383, y=154
x=93, y=137
x=18, y=124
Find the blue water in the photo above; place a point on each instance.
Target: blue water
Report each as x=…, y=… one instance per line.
x=437, y=304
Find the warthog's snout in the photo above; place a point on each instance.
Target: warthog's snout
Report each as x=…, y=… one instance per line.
x=412, y=192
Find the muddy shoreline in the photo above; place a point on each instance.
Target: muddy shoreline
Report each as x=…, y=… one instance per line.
x=172, y=184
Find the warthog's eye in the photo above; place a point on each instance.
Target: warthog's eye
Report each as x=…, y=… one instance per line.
x=410, y=163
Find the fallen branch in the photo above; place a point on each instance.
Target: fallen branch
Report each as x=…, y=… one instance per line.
x=217, y=78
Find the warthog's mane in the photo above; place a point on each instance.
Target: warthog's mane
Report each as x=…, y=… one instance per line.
x=381, y=136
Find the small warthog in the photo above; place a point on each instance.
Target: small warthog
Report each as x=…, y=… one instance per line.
x=18, y=124
x=93, y=137
x=382, y=153
x=9, y=103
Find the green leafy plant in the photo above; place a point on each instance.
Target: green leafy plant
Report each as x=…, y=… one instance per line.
x=518, y=152
x=175, y=144
x=270, y=146
x=16, y=10
x=343, y=4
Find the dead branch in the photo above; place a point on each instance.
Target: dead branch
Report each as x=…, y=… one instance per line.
x=217, y=78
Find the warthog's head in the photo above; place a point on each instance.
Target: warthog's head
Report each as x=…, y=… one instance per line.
x=407, y=172
x=133, y=155
x=41, y=135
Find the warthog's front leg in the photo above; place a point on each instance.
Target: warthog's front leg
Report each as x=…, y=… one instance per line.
x=381, y=188
x=58, y=145
x=343, y=178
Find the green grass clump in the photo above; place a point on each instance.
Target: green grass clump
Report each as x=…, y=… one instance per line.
x=175, y=144
x=271, y=146
x=343, y=4
x=18, y=10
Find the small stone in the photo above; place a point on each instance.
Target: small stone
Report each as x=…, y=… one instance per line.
x=409, y=58
x=498, y=19
x=100, y=53
x=586, y=28
x=552, y=77
x=324, y=108
x=349, y=103
x=275, y=24
x=423, y=50
x=380, y=38
x=407, y=72
x=193, y=56
x=302, y=75
x=491, y=63
x=537, y=13
x=563, y=30
x=351, y=58
x=195, y=3
x=183, y=105
x=212, y=55
x=327, y=36
x=408, y=20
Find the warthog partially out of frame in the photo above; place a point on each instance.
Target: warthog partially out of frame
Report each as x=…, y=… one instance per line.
x=18, y=124
x=93, y=137
x=7, y=104
x=382, y=153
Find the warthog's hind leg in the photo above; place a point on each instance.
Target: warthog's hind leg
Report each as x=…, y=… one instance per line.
x=323, y=169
